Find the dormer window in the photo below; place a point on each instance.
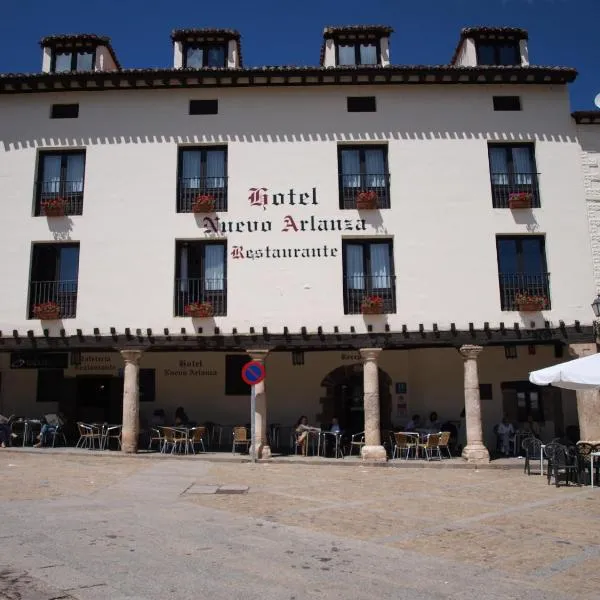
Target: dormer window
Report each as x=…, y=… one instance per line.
x=358, y=53
x=503, y=53
x=199, y=56
x=72, y=60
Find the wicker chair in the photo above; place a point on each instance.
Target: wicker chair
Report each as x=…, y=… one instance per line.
x=444, y=443
x=240, y=438
x=196, y=438
x=403, y=442
x=431, y=446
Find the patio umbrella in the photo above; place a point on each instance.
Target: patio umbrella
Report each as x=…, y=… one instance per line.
x=579, y=374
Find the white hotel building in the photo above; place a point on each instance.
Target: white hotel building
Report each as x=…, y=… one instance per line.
x=475, y=171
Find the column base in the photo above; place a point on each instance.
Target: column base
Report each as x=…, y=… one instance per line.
x=129, y=442
x=476, y=454
x=263, y=452
x=592, y=442
x=373, y=453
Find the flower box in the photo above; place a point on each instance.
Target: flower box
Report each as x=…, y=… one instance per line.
x=366, y=200
x=372, y=305
x=204, y=203
x=46, y=311
x=54, y=207
x=520, y=200
x=530, y=302
x=199, y=310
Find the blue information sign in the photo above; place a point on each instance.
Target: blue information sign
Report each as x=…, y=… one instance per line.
x=253, y=372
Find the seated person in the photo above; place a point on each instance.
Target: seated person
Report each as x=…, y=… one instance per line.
x=506, y=433
x=414, y=423
x=532, y=428
x=434, y=424
x=302, y=431
x=335, y=426
x=158, y=418
x=181, y=419
x=51, y=422
x=5, y=430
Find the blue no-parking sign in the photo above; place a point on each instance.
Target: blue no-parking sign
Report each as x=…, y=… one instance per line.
x=253, y=372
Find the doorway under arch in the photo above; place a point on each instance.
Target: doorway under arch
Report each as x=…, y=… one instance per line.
x=344, y=395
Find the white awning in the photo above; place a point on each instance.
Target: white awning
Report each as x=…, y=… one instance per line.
x=579, y=374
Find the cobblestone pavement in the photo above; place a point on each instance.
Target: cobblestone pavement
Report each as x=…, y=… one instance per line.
x=113, y=527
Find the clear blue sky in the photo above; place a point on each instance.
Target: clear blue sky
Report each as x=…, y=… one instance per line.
x=562, y=32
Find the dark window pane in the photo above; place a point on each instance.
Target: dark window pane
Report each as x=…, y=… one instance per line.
x=49, y=385
x=64, y=111
x=85, y=61
x=215, y=56
x=507, y=103
x=487, y=54
x=147, y=385
x=234, y=384
x=68, y=263
x=62, y=61
x=361, y=104
x=204, y=107
x=533, y=255
x=507, y=256
x=508, y=54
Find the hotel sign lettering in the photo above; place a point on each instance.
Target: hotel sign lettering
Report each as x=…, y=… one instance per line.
x=284, y=223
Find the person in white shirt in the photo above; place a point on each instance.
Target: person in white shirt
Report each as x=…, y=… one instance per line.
x=335, y=426
x=506, y=433
x=414, y=423
x=434, y=424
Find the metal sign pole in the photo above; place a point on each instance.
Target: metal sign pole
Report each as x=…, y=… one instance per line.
x=253, y=421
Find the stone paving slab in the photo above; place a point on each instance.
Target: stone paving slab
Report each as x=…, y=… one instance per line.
x=298, y=532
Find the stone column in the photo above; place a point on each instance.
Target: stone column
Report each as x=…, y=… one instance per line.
x=475, y=451
x=263, y=450
x=372, y=450
x=588, y=401
x=131, y=401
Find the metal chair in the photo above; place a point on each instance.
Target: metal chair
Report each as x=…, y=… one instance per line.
x=431, y=446
x=196, y=437
x=533, y=451
x=357, y=441
x=444, y=443
x=403, y=442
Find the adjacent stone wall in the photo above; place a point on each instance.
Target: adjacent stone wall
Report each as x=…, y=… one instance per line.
x=589, y=136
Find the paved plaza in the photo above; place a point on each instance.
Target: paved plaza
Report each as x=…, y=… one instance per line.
x=83, y=526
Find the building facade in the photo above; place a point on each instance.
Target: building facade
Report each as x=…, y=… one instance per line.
x=389, y=239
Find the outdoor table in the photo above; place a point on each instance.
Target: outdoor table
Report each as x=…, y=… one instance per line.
x=337, y=439
x=593, y=456
x=417, y=440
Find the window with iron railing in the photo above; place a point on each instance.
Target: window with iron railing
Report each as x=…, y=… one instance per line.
x=202, y=176
x=513, y=175
x=54, y=279
x=363, y=169
x=201, y=279
x=522, y=271
x=60, y=182
x=369, y=279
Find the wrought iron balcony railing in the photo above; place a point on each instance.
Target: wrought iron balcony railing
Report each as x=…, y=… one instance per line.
x=201, y=291
x=69, y=193
x=63, y=293
x=364, y=291
x=188, y=190
x=352, y=185
x=531, y=284
x=505, y=185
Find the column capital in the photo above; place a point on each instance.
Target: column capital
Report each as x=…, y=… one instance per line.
x=470, y=352
x=258, y=355
x=370, y=353
x=131, y=355
x=579, y=350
